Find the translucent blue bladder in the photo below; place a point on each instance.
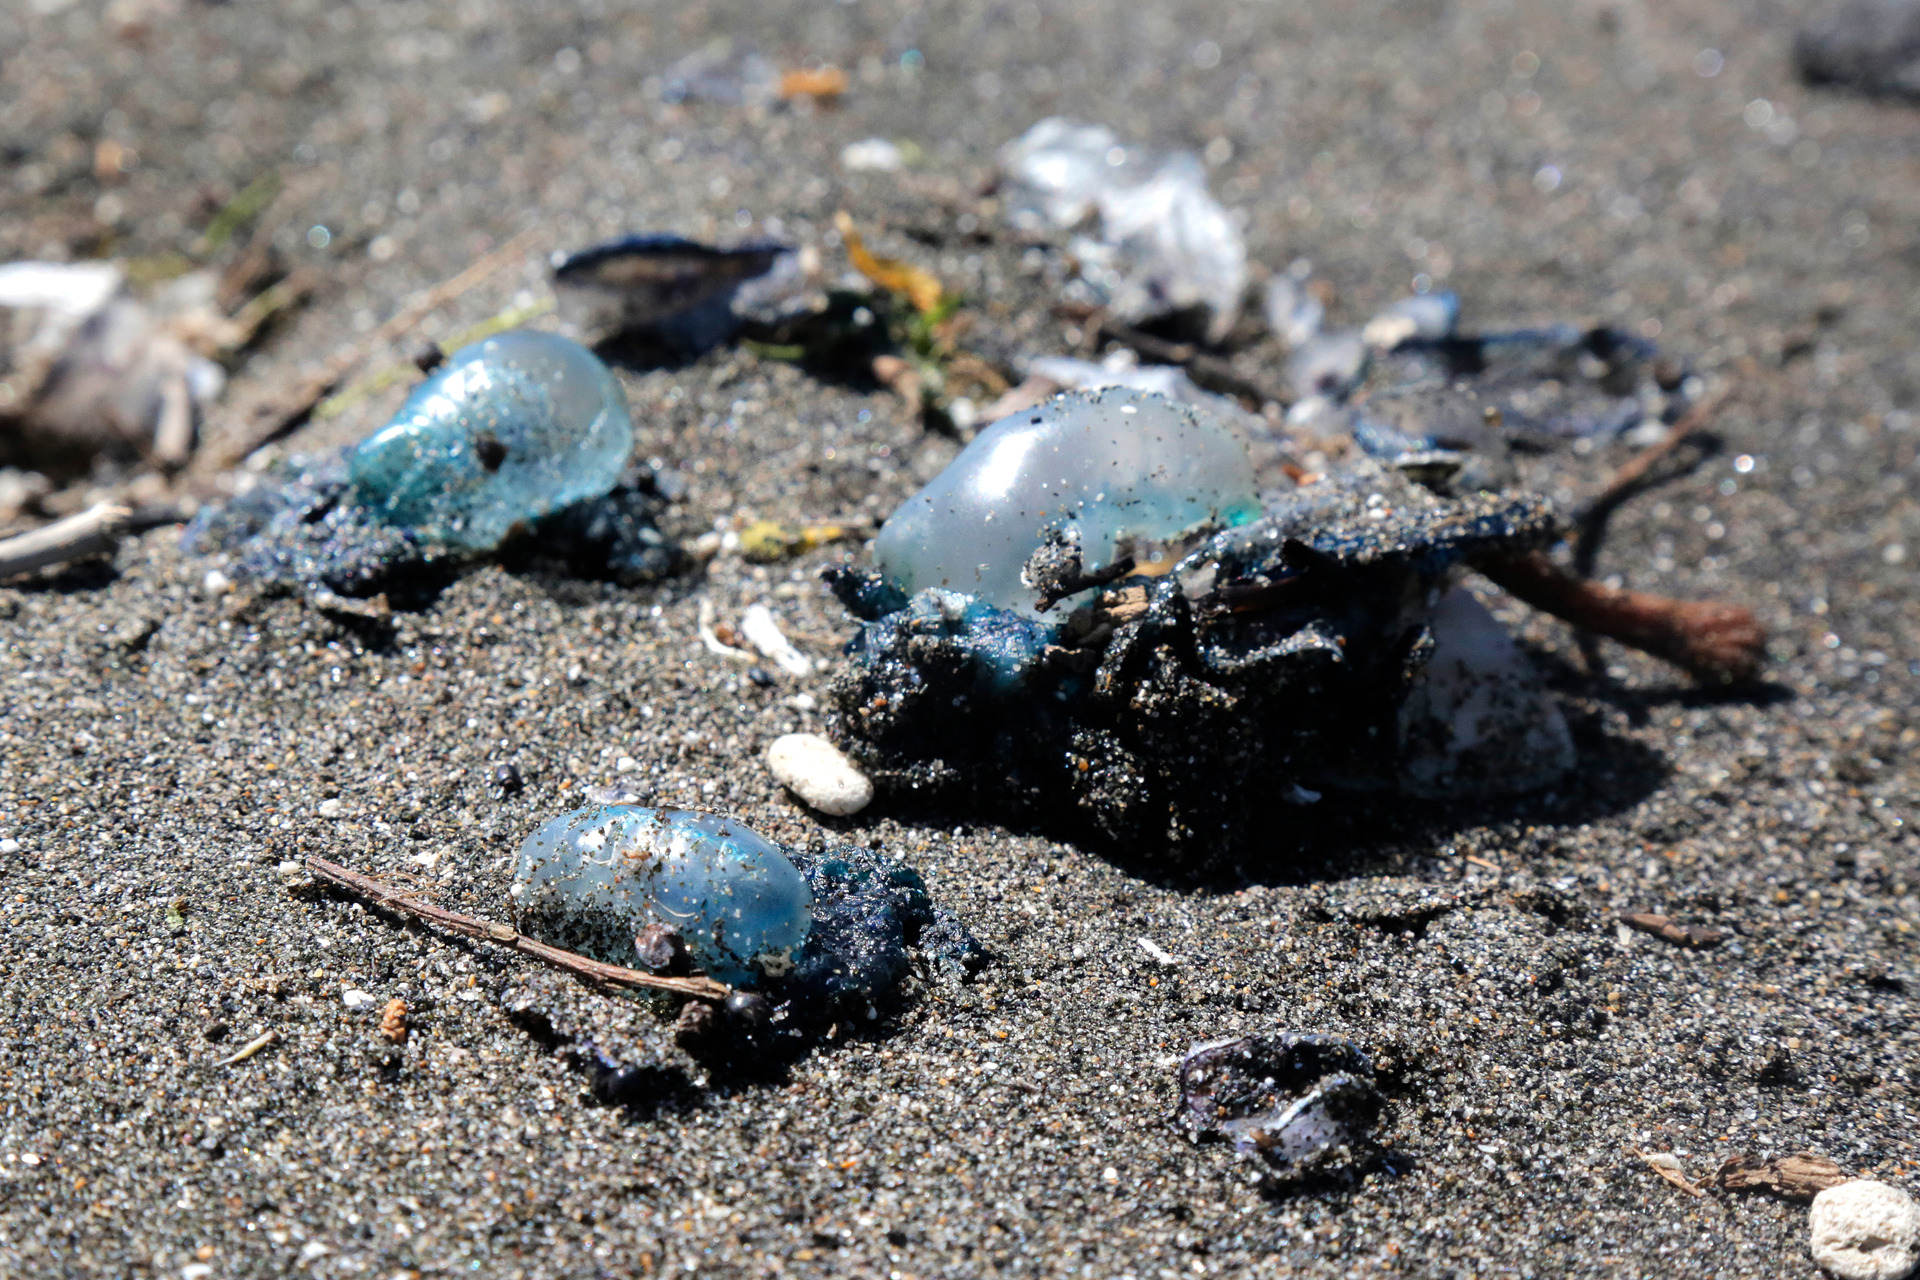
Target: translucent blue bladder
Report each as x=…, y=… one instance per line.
x=508, y=430
x=593, y=878
x=1118, y=470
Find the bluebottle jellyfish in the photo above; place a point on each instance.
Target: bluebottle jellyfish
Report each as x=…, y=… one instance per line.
x=1287, y=651
x=1110, y=472
x=523, y=434
x=1204, y=704
x=507, y=431
x=812, y=933
x=593, y=879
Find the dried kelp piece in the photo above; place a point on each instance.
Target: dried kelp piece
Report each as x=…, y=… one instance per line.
x=1796, y=1177
x=1297, y=1100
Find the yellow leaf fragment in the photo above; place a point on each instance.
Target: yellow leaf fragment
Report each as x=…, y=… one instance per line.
x=917, y=285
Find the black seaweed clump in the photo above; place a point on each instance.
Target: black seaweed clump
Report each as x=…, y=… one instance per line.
x=301, y=531
x=869, y=914
x=1179, y=712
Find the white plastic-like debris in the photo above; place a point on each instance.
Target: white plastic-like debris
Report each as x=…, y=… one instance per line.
x=1183, y=247
x=1165, y=243
x=1424, y=317
x=872, y=155
x=819, y=773
x=1058, y=171
x=356, y=999
x=1865, y=1230
x=1292, y=312
x=87, y=370
x=1479, y=721
x=762, y=631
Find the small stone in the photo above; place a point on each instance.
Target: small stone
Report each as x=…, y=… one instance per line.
x=1865, y=1231
x=216, y=583
x=393, y=1021
x=330, y=808
x=356, y=999
x=625, y=764
x=819, y=773
x=9, y=846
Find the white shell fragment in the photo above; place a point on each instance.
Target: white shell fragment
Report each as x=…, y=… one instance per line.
x=1865, y=1231
x=1479, y=721
x=763, y=632
x=819, y=773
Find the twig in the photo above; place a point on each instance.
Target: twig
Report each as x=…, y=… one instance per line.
x=1681, y=935
x=287, y=413
x=250, y=1048
x=1668, y=1167
x=91, y=532
x=1709, y=639
x=1208, y=371
x=1632, y=478
x=594, y=971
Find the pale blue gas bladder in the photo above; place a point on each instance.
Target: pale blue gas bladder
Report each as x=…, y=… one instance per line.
x=593, y=878
x=506, y=431
x=1121, y=469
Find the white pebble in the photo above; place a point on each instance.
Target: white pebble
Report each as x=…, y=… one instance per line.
x=354, y=998
x=819, y=773
x=330, y=808
x=1865, y=1231
x=625, y=764
x=9, y=846
x=216, y=583
x=763, y=632
x=873, y=155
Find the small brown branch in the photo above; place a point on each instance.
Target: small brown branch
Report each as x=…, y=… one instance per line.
x=1633, y=478
x=594, y=971
x=1709, y=639
x=1681, y=935
x=91, y=532
x=1208, y=371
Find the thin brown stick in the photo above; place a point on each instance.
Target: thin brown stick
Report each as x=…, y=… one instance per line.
x=611, y=975
x=95, y=530
x=1632, y=478
x=1710, y=639
x=1208, y=371
x=284, y=414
